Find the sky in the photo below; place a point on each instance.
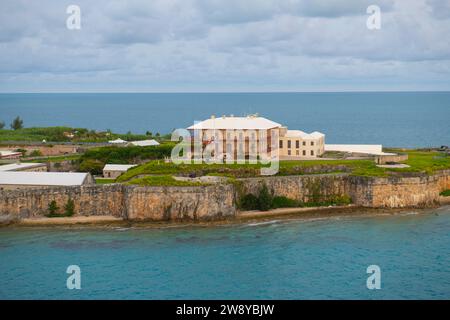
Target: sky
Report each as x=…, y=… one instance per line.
x=224, y=46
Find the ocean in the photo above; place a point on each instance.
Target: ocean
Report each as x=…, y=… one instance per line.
x=394, y=119
x=278, y=259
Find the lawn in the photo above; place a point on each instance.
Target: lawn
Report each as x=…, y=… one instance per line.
x=162, y=180
x=419, y=161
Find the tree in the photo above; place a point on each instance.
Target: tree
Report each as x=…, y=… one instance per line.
x=53, y=208
x=69, y=208
x=17, y=123
x=2, y=125
x=149, y=133
x=264, y=199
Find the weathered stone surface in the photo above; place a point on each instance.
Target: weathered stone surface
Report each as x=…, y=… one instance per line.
x=132, y=202
x=217, y=201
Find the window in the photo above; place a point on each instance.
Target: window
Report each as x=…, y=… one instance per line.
x=297, y=152
x=297, y=144
x=289, y=152
x=304, y=143
x=289, y=144
x=281, y=144
x=304, y=152
x=312, y=143
x=312, y=152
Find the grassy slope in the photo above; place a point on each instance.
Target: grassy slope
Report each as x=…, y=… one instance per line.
x=425, y=162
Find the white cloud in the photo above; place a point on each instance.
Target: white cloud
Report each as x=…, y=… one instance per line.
x=225, y=45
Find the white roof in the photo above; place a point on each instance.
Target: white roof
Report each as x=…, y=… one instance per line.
x=42, y=178
x=374, y=149
x=117, y=141
x=118, y=167
x=19, y=166
x=303, y=135
x=236, y=123
x=145, y=143
x=5, y=153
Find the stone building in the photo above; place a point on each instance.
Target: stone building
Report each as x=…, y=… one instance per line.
x=24, y=166
x=254, y=136
x=22, y=180
x=112, y=171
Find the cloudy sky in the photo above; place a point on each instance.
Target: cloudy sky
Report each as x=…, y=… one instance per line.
x=224, y=45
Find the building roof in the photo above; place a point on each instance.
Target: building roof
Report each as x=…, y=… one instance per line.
x=117, y=141
x=20, y=166
x=5, y=153
x=236, y=123
x=145, y=143
x=374, y=149
x=118, y=167
x=303, y=135
x=42, y=178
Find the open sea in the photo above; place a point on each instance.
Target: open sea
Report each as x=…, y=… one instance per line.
x=279, y=259
x=394, y=119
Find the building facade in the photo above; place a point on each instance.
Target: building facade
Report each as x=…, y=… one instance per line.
x=254, y=137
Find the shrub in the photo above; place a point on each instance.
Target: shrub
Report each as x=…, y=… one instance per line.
x=249, y=202
x=284, y=202
x=445, y=193
x=53, y=208
x=95, y=167
x=264, y=199
x=69, y=208
x=36, y=153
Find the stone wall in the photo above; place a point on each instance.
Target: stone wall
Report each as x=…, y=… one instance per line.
x=132, y=202
x=383, y=159
x=218, y=201
x=392, y=192
x=305, y=188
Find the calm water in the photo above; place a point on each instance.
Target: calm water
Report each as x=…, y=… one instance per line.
x=392, y=119
x=280, y=259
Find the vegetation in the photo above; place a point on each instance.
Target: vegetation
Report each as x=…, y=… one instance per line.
x=2, y=124
x=69, y=208
x=164, y=180
x=61, y=134
x=17, y=123
x=264, y=201
x=104, y=181
x=52, y=209
x=94, y=160
x=445, y=193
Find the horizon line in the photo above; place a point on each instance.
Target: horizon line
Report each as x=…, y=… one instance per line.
x=217, y=92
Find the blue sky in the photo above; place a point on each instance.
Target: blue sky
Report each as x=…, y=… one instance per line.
x=224, y=45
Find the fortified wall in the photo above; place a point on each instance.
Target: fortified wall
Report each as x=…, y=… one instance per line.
x=218, y=201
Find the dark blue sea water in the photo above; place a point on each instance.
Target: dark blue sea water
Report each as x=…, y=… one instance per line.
x=286, y=259
x=408, y=119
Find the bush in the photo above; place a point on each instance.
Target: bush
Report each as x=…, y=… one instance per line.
x=249, y=202
x=53, y=208
x=36, y=153
x=95, y=167
x=69, y=208
x=264, y=199
x=445, y=193
x=284, y=202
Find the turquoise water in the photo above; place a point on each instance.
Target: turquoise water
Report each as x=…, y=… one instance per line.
x=285, y=259
x=403, y=119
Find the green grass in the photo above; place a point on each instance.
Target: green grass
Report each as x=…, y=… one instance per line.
x=445, y=193
x=56, y=158
x=163, y=180
x=57, y=134
x=104, y=181
x=419, y=162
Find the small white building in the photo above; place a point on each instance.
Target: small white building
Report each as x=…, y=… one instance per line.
x=145, y=143
x=7, y=154
x=24, y=166
x=112, y=171
x=21, y=180
x=117, y=141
